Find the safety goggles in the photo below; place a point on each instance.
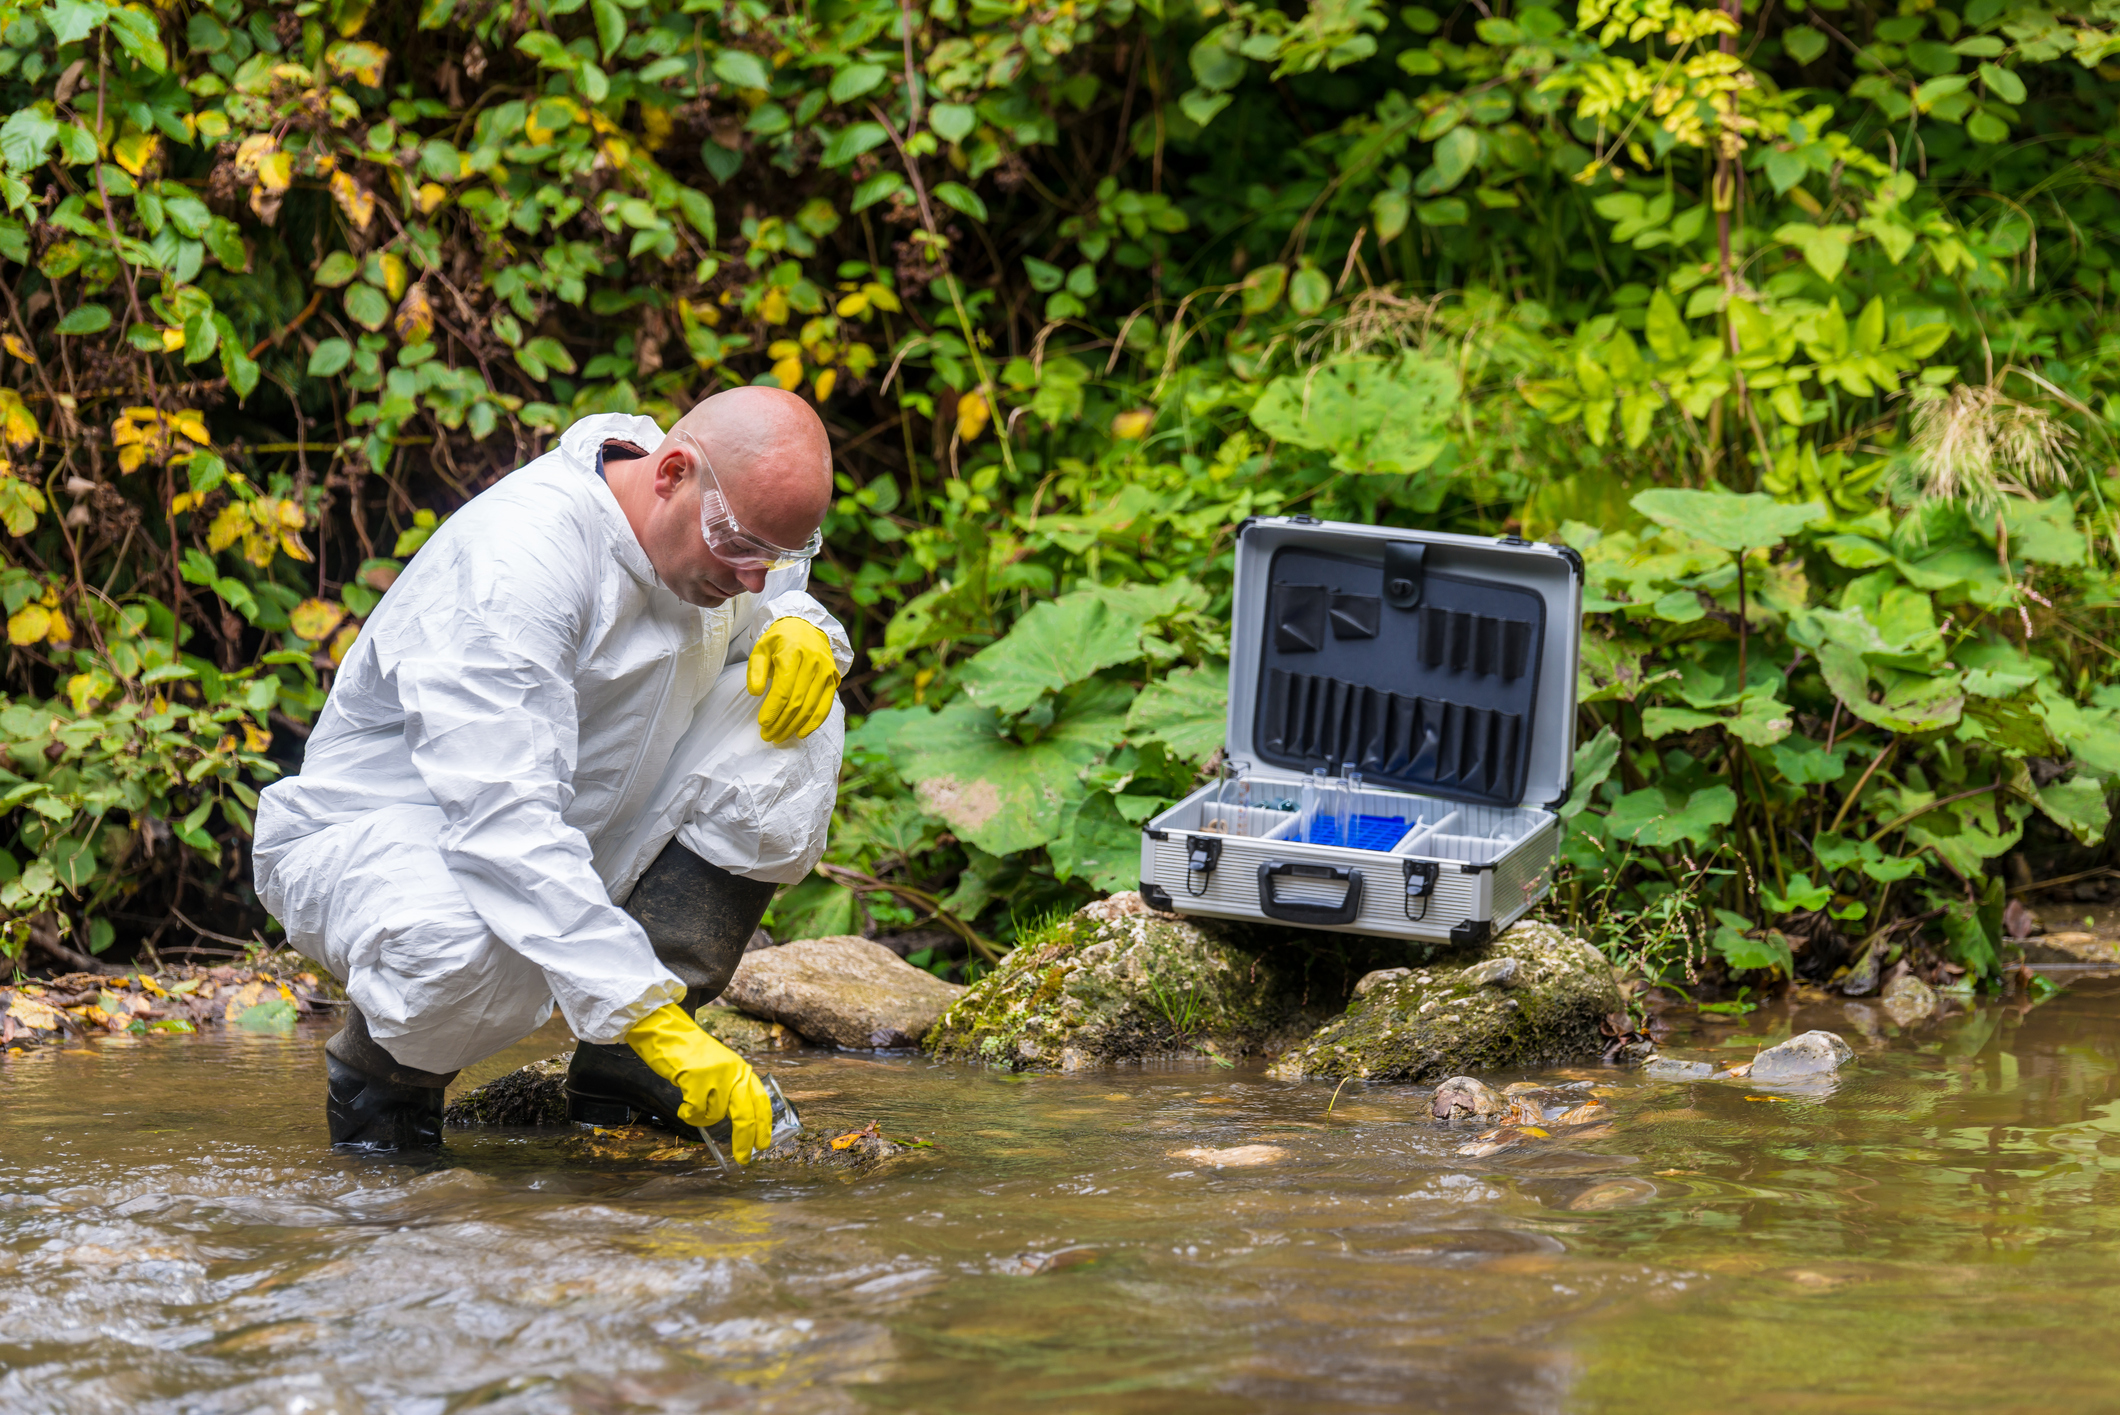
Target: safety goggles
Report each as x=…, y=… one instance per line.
x=731, y=543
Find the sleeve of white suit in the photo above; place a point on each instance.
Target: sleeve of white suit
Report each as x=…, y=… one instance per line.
x=755, y=613
x=483, y=660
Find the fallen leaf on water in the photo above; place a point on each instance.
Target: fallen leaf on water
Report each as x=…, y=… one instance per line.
x=1675, y=1173
x=1777, y=1100
x=1540, y=1133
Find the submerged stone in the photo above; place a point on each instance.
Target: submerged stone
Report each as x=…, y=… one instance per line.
x=531, y=1095
x=1119, y=981
x=1907, y=1000
x=843, y=991
x=1437, y=1021
x=1801, y=1058
x=1462, y=1097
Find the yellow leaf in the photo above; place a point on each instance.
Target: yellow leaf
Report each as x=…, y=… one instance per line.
x=773, y=309
x=314, y=619
x=183, y=501
x=415, y=316
x=854, y=304
x=395, y=273
x=19, y=347
x=788, y=373
x=972, y=414
x=192, y=423
x=252, y=149
x=276, y=171
x=290, y=514
x=825, y=383
x=135, y=151
x=881, y=296
x=1133, y=426
x=322, y=163
x=255, y=738
x=783, y=349
x=84, y=688
x=431, y=195
x=59, y=631
x=130, y=459
x=353, y=199
x=229, y=523
x=28, y=624
x=342, y=643
x=172, y=340
x=361, y=61
x=17, y=423
x=294, y=548
x=656, y=124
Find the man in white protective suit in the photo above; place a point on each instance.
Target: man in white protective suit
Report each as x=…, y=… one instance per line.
x=545, y=774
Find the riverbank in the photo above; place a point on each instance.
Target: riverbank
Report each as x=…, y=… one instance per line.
x=268, y=994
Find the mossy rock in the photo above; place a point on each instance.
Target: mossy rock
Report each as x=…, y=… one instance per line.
x=531, y=1095
x=740, y=1031
x=1118, y=981
x=1473, y=1012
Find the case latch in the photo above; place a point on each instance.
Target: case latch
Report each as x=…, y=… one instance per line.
x=1421, y=876
x=1404, y=573
x=1202, y=854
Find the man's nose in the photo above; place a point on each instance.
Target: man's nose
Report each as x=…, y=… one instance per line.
x=751, y=579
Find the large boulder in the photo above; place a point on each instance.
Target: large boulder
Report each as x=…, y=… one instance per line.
x=1533, y=997
x=842, y=991
x=1119, y=981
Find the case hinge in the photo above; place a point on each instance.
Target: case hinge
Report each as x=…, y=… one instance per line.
x=1471, y=932
x=1404, y=573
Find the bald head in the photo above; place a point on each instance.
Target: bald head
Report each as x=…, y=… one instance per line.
x=771, y=455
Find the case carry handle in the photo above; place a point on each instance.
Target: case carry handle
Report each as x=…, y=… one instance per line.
x=1343, y=912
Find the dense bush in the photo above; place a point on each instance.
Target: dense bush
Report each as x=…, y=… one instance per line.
x=1796, y=320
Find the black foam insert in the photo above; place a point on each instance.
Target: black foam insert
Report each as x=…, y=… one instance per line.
x=1439, y=698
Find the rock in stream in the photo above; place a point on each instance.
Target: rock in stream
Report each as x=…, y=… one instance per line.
x=1532, y=997
x=842, y=991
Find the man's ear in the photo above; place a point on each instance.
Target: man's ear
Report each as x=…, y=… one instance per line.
x=672, y=470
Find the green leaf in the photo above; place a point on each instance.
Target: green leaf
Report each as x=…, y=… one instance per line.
x=742, y=69
x=1665, y=330
x=610, y=25
x=850, y=142
x=1374, y=415
x=1593, y=763
x=1454, y=154
x=25, y=137
x=2003, y=83
x=952, y=122
x=1803, y=43
x=1391, y=211
x=1002, y=795
x=85, y=319
x=1801, y=895
x=959, y=197
x=2078, y=806
x=365, y=305
x=699, y=212
x=1187, y=711
x=329, y=357
x=1097, y=843
x=1730, y=522
x=549, y=353
x=855, y=80
x=1651, y=816
x=1449, y=211
x=1066, y=640
x=815, y=908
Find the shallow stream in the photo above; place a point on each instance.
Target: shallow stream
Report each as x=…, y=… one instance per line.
x=1940, y=1232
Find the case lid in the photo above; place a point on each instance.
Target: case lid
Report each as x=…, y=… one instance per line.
x=1442, y=664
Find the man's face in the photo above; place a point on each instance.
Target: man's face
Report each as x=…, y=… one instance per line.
x=678, y=550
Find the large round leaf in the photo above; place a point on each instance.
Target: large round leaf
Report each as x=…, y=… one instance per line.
x=996, y=792
x=1725, y=520
x=1374, y=415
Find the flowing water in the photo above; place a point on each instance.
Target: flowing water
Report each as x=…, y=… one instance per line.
x=1940, y=1232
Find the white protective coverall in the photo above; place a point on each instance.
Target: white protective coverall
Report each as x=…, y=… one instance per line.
x=525, y=721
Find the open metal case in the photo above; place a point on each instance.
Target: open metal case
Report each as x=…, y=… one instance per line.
x=1442, y=668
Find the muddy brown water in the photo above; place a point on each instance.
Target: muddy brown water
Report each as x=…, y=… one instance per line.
x=1939, y=1232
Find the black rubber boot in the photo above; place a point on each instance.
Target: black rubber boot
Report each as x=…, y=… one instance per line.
x=609, y=1085
x=375, y=1103
x=699, y=917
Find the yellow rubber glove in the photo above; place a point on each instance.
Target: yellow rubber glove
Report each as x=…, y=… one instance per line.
x=797, y=657
x=716, y=1082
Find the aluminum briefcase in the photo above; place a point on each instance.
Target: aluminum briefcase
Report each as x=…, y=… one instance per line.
x=1441, y=669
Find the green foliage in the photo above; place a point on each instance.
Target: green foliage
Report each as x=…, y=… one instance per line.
x=1807, y=345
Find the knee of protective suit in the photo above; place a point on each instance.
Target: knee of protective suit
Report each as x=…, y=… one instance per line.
x=699, y=917
x=763, y=810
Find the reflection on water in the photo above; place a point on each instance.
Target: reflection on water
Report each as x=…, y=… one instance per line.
x=1938, y=1233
